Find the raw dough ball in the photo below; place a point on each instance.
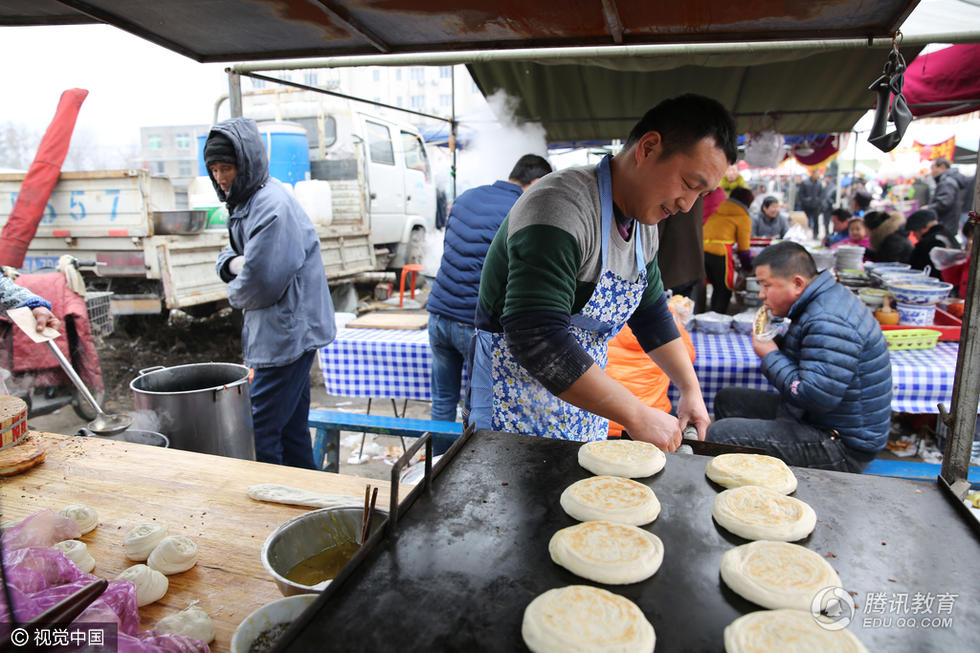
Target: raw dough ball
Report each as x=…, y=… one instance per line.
x=757, y=513
x=77, y=552
x=610, y=498
x=150, y=584
x=174, y=554
x=615, y=554
x=141, y=541
x=583, y=618
x=777, y=574
x=738, y=469
x=85, y=516
x=786, y=631
x=629, y=458
x=192, y=622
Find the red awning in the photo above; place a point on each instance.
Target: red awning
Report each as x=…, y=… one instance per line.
x=945, y=82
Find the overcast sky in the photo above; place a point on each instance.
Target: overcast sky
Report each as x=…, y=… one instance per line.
x=131, y=82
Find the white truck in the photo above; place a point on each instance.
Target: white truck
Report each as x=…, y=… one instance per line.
x=121, y=225
x=377, y=167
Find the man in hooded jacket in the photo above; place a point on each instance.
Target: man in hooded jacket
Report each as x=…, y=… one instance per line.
x=275, y=276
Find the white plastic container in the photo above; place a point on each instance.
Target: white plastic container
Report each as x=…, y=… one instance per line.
x=314, y=195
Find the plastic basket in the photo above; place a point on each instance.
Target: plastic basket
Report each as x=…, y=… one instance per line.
x=99, y=312
x=904, y=339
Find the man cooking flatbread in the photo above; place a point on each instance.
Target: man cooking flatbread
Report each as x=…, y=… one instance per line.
x=831, y=371
x=576, y=259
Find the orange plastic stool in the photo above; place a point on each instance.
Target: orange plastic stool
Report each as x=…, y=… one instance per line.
x=414, y=268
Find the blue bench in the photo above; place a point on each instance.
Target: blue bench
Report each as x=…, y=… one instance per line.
x=912, y=471
x=329, y=424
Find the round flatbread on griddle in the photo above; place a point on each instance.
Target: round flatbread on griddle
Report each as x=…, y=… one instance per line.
x=584, y=618
x=758, y=513
x=610, y=498
x=628, y=458
x=786, y=631
x=777, y=574
x=738, y=469
x=614, y=554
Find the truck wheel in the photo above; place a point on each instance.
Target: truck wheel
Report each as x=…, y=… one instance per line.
x=83, y=408
x=416, y=246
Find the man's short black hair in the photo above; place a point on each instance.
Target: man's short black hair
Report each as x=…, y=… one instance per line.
x=528, y=168
x=787, y=259
x=921, y=219
x=769, y=201
x=862, y=199
x=743, y=195
x=842, y=215
x=686, y=119
x=942, y=161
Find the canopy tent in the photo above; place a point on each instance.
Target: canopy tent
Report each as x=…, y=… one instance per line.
x=235, y=30
x=945, y=82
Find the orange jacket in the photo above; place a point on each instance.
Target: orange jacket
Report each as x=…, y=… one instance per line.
x=631, y=366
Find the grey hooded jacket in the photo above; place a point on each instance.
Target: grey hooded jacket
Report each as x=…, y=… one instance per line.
x=282, y=288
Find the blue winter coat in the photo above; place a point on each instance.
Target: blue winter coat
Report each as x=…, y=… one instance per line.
x=282, y=288
x=473, y=221
x=833, y=364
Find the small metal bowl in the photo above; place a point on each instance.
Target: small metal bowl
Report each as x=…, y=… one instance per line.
x=308, y=534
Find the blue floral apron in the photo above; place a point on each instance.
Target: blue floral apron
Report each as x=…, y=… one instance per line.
x=506, y=398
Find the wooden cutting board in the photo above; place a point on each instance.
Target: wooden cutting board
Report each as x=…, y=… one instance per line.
x=391, y=320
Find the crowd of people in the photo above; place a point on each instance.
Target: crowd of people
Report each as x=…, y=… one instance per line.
x=546, y=273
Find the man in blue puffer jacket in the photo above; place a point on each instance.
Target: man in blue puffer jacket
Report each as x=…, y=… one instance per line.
x=831, y=371
x=275, y=276
x=473, y=222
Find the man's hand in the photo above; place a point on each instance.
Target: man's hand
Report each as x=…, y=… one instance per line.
x=763, y=347
x=691, y=410
x=236, y=264
x=45, y=318
x=656, y=427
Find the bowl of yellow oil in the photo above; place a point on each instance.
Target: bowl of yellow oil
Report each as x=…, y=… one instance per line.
x=307, y=552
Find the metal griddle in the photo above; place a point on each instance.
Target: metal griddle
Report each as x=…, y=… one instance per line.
x=469, y=555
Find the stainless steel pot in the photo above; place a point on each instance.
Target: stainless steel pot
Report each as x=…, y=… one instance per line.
x=203, y=407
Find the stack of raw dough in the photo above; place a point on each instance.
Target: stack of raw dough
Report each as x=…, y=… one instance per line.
x=164, y=555
x=769, y=571
x=607, y=547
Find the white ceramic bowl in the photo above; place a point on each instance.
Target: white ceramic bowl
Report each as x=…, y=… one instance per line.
x=873, y=297
x=920, y=293
x=283, y=611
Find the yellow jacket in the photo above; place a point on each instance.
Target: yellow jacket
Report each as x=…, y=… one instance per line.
x=729, y=224
x=728, y=186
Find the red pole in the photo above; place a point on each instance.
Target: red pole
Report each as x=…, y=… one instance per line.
x=40, y=180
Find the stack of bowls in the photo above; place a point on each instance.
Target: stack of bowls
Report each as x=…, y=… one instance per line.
x=848, y=257
x=823, y=258
x=917, y=299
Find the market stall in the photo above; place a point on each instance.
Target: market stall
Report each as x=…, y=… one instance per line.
x=396, y=363
x=467, y=558
x=197, y=495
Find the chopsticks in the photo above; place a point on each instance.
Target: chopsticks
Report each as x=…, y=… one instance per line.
x=370, y=498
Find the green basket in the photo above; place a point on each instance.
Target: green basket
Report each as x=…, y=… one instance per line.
x=905, y=339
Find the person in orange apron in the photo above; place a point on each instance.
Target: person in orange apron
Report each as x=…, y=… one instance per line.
x=572, y=263
x=730, y=226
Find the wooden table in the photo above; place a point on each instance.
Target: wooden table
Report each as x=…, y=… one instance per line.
x=197, y=495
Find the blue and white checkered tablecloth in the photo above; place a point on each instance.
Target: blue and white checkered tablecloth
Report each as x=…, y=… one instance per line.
x=920, y=378
x=396, y=363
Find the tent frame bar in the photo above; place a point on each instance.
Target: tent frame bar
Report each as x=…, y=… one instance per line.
x=625, y=51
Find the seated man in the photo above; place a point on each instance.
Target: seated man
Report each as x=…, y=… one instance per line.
x=831, y=371
x=925, y=224
x=839, y=218
x=770, y=222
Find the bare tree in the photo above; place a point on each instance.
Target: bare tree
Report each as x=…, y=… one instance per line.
x=18, y=145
